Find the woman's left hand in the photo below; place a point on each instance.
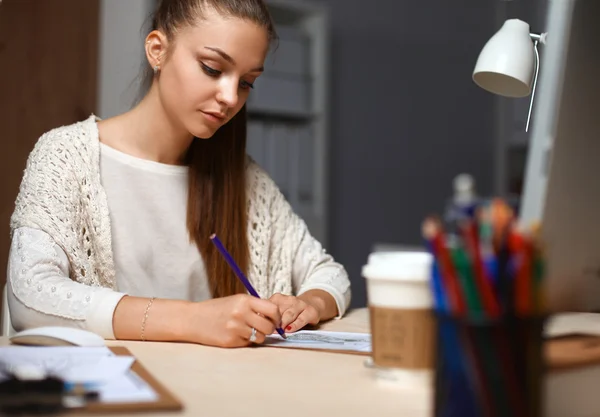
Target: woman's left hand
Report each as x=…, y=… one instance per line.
x=295, y=312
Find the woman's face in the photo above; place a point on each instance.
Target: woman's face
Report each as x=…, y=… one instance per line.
x=210, y=71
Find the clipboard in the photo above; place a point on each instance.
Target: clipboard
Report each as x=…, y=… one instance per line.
x=166, y=400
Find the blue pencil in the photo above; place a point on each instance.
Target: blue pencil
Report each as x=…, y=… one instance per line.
x=438, y=289
x=238, y=272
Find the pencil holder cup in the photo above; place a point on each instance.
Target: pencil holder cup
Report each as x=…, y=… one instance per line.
x=487, y=367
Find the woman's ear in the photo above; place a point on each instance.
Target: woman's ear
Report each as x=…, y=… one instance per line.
x=156, y=49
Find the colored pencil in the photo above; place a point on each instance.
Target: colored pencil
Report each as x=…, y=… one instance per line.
x=238, y=272
x=433, y=234
x=491, y=274
x=483, y=281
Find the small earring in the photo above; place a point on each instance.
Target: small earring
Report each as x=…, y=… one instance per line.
x=155, y=69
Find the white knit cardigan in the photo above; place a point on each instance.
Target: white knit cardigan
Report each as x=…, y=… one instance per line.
x=61, y=194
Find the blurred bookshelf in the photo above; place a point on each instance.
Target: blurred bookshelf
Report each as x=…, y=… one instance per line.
x=288, y=111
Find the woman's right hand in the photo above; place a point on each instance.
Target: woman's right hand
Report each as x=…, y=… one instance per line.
x=228, y=321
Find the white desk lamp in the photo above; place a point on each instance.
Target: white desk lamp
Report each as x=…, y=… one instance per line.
x=508, y=60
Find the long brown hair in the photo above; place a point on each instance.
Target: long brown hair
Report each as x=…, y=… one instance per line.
x=217, y=201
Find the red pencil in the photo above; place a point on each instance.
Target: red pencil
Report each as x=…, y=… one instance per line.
x=523, y=277
x=433, y=233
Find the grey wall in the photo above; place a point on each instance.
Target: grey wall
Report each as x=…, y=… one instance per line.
x=121, y=53
x=531, y=11
x=406, y=118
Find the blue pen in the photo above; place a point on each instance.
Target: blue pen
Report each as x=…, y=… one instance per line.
x=239, y=273
x=86, y=390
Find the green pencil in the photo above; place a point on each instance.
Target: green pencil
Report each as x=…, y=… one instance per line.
x=467, y=282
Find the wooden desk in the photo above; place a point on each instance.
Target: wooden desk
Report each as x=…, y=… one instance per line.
x=269, y=381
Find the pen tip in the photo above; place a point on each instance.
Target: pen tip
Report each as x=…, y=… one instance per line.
x=213, y=236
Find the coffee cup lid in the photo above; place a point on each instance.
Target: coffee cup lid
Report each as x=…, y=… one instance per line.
x=405, y=266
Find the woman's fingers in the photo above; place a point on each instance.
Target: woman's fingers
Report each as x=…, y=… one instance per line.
x=283, y=302
x=290, y=307
x=262, y=325
x=267, y=309
x=308, y=316
x=290, y=315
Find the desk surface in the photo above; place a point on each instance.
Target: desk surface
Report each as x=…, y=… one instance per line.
x=269, y=381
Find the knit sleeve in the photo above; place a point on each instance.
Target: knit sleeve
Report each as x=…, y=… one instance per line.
x=311, y=266
x=59, y=194
x=42, y=294
x=49, y=191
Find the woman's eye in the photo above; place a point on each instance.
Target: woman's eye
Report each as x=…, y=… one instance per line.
x=215, y=73
x=246, y=85
x=210, y=71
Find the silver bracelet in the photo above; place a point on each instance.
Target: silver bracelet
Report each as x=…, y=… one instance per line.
x=143, y=336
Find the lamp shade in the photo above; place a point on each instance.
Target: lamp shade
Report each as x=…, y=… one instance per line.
x=507, y=61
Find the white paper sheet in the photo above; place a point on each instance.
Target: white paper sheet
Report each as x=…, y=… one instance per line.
x=128, y=387
x=99, y=367
x=318, y=339
x=72, y=364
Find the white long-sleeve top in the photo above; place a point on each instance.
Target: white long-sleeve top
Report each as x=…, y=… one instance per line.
x=151, y=254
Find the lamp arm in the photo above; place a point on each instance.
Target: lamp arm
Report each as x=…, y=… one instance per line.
x=537, y=70
x=539, y=37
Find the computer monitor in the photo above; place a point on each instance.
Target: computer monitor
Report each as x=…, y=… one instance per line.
x=562, y=183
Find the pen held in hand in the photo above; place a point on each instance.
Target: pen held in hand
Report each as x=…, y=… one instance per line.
x=238, y=272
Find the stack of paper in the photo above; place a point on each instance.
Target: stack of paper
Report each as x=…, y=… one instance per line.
x=97, y=367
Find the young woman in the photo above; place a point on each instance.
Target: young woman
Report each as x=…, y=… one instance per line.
x=112, y=224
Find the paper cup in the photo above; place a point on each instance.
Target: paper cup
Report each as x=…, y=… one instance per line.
x=401, y=315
